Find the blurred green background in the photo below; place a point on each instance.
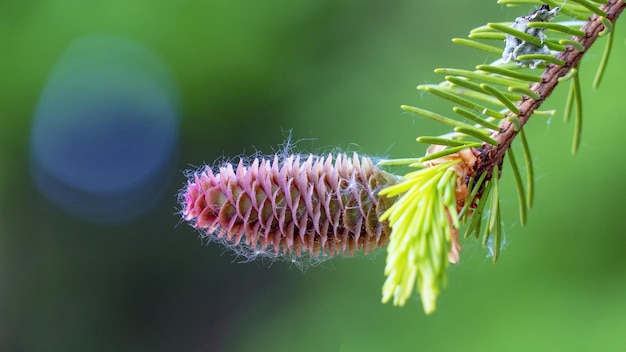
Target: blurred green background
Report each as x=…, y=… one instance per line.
x=242, y=74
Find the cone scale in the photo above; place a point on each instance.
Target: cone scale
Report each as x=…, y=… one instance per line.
x=300, y=205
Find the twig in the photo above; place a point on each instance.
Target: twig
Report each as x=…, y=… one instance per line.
x=489, y=155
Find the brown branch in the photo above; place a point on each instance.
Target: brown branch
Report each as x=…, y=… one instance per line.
x=489, y=156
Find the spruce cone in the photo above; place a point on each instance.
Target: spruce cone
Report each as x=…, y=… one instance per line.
x=319, y=205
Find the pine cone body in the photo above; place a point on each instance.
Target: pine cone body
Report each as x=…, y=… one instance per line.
x=315, y=205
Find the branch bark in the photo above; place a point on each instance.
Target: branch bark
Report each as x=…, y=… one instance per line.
x=488, y=155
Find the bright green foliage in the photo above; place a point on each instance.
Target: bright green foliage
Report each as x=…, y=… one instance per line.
x=420, y=234
x=425, y=215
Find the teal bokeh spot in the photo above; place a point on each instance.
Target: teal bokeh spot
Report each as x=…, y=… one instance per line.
x=105, y=131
